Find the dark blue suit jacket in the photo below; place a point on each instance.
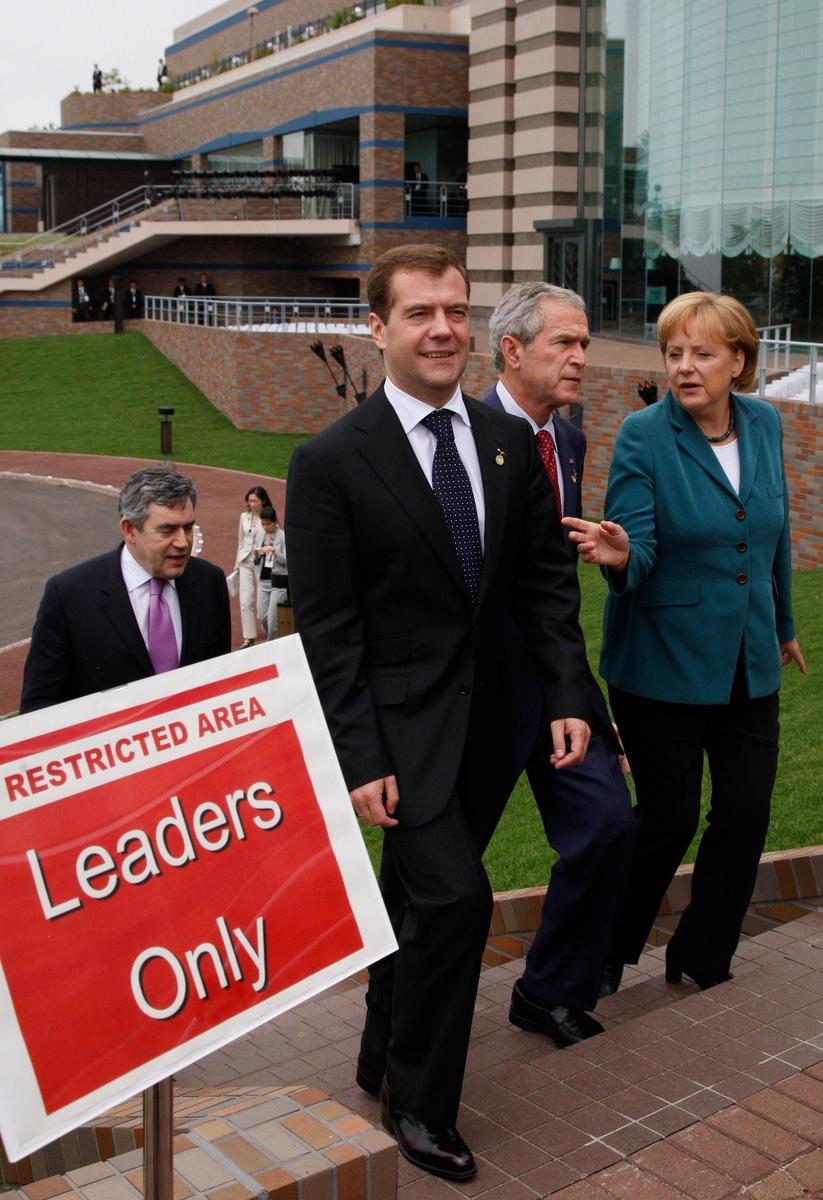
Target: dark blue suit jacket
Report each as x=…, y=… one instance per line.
x=530, y=724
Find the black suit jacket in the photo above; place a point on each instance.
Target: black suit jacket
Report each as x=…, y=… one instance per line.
x=529, y=722
x=86, y=637
x=400, y=656
x=133, y=303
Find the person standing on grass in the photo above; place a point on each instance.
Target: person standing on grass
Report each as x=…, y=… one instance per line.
x=697, y=626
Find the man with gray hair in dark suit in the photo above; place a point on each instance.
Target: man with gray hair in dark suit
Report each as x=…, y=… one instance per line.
x=140, y=609
x=539, y=334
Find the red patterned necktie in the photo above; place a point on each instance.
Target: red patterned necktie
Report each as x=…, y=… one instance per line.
x=545, y=444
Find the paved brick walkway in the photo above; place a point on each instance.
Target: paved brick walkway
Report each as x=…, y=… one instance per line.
x=685, y=1095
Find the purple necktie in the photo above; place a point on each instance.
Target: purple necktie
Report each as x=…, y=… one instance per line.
x=162, y=642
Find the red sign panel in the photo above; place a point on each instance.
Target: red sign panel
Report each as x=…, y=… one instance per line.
x=176, y=871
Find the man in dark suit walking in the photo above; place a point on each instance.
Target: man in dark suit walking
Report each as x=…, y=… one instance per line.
x=409, y=523
x=539, y=334
x=146, y=607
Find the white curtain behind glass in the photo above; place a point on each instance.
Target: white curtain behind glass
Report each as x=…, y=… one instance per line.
x=731, y=94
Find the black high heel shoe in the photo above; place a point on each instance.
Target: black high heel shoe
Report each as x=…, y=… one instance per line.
x=675, y=972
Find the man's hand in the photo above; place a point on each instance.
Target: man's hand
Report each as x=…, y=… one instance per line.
x=375, y=802
x=577, y=734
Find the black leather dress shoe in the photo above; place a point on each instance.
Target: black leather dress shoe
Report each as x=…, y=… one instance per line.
x=611, y=978
x=565, y=1026
x=438, y=1151
x=368, y=1076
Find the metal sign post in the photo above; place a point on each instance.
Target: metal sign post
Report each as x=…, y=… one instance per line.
x=158, y=1131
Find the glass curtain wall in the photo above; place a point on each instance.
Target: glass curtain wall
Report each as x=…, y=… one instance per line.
x=323, y=149
x=714, y=159
x=245, y=157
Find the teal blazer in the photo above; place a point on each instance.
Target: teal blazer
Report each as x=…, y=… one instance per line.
x=709, y=570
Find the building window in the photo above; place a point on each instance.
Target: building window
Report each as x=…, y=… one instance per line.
x=713, y=128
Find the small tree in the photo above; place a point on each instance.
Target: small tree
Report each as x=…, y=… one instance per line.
x=115, y=79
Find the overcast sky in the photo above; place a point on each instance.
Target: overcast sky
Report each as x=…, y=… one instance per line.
x=51, y=45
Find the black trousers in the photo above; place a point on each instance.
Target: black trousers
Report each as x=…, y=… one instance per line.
x=420, y=1001
x=665, y=744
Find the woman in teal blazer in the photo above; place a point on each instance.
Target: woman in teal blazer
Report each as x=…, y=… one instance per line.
x=697, y=625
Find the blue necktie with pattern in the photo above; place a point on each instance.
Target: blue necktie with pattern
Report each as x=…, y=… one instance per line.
x=451, y=486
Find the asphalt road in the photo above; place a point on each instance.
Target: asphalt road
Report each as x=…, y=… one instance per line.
x=44, y=528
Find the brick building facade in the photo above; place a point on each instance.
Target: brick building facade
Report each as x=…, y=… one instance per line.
x=498, y=87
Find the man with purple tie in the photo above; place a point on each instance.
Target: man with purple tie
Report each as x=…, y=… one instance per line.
x=139, y=610
x=539, y=334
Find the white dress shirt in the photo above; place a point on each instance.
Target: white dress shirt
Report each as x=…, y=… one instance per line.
x=514, y=410
x=423, y=442
x=137, y=579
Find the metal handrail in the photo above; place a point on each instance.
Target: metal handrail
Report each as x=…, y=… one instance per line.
x=55, y=243
x=248, y=312
x=779, y=337
x=778, y=349
x=282, y=39
x=302, y=195
x=436, y=198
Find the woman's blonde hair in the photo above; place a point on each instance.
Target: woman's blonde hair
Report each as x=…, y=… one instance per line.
x=721, y=318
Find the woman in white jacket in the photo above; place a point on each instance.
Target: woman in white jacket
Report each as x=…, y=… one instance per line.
x=249, y=535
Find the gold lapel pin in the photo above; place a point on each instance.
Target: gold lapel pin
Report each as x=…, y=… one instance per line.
x=500, y=457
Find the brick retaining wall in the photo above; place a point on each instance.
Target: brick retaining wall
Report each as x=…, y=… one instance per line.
x=272, y=381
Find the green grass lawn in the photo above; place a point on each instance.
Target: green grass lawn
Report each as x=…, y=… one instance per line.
x=100, y=394
x=518, y=855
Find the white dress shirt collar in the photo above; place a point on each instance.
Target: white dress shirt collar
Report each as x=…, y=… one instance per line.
x=136, y=579
x=411, y=411
x=514, y=410
x=134, y=574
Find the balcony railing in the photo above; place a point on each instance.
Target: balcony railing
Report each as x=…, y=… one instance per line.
x=286, y=314
x=251, y=196
x=436, y=198
x=292, y=35
x=802, y=381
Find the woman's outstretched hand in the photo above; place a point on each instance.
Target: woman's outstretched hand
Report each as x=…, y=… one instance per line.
x=606, y=543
